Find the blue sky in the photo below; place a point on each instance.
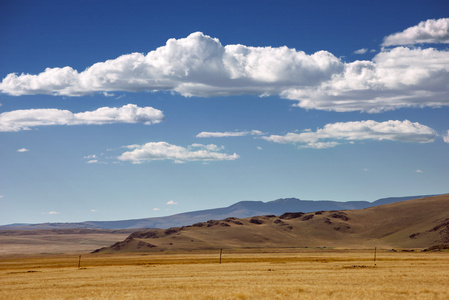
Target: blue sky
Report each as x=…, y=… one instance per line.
x=132, y=109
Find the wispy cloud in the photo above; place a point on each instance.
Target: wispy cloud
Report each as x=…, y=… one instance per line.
x=178, y=154
x=171, y=202
x=22, y=150
x=51, y=213
x=209, y=147
x=26, y=119
x=200, y=65
x=94, y=159
x=446, y=137
x=206, y=134
x=430, y=31
x=334, y=134
x=361, y=51
x=364, y=51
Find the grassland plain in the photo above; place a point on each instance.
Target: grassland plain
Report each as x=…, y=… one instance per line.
x=47, y=241
x=271, y=274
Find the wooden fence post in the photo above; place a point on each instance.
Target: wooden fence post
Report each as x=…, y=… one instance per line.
x=375, y=253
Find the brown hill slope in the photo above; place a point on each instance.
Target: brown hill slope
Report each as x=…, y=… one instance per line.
x=415, y=223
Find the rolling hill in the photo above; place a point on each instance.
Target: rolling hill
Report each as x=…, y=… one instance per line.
x=417, y=223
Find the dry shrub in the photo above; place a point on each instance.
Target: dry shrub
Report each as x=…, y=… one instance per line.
x=256, y=220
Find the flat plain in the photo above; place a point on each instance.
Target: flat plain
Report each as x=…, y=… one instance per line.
x=243, y=274
x=34, y=242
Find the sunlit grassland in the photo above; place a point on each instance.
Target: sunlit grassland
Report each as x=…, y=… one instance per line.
x=311, y=274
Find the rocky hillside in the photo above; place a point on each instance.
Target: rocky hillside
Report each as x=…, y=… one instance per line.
x=418, y=223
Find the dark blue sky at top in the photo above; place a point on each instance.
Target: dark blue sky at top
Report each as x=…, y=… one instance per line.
x=79, y=33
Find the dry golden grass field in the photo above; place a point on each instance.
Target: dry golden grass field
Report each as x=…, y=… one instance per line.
x=271, y=274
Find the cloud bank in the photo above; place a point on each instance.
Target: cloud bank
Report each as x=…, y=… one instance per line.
x=206, y=134
x=165, y=151
x=400, y=77
x=334, y=134
x=197, y=65
x=26, y=119
x=200, y=65
x=430, y=31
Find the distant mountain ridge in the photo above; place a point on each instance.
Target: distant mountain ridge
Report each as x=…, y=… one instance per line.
x=242, y=209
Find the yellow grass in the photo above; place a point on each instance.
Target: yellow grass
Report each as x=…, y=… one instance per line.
x=279, y=274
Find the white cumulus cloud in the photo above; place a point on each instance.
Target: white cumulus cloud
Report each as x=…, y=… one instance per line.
x=395, y=78
x=22, y=150
x=334, y=134
x=165, y=151
x=196, y=65
x=430, y=31
x=26, y=119
x=171, y=202
x=199, y=65
x=206, y=134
